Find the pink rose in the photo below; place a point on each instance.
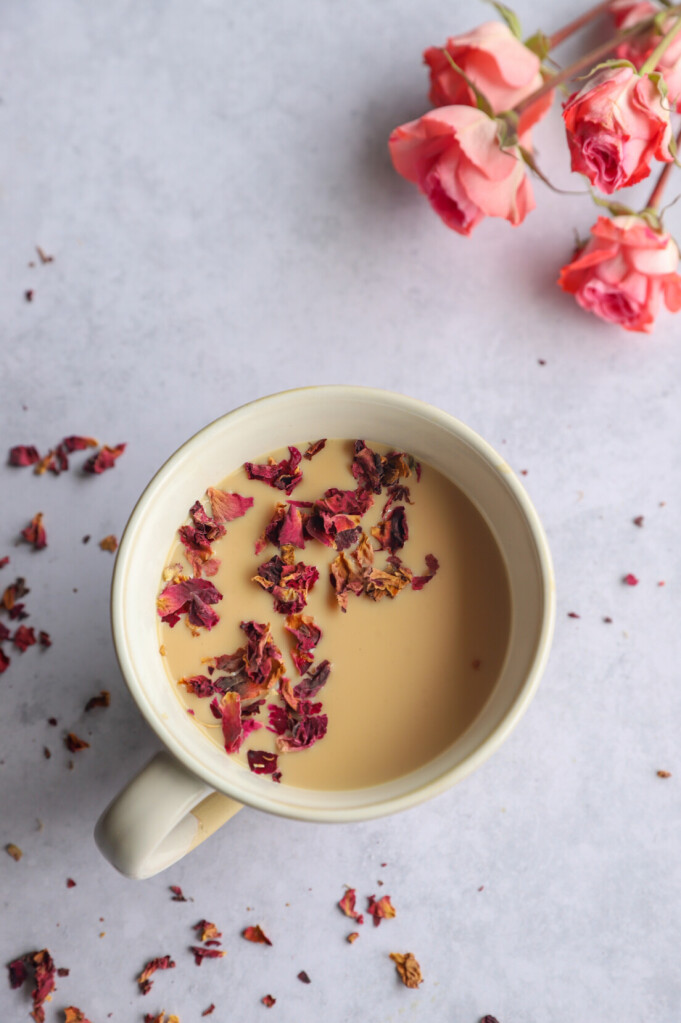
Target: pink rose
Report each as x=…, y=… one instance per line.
x=453, y=155
x=626, y=14
x=615, y=126
x=501, y=67
x=623, y=271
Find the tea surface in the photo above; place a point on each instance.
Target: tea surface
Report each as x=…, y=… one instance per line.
x=408, y=674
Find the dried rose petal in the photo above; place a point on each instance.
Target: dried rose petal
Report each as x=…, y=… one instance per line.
x=74, y=744
x=664, y=774
x=35, y=533
x=200, y=685
x=190, y=597
x=201, y=953
x=392, y=532
x=23, y=454
x=209, y=1010
x=630, y=579
x=160, y=963
x=109, y=543
x=14, y=851
x=408, y=968
x=432, y=565
x=284, y=475
x=70, y=883
x=256, y=935
x=103, y=700
x=288, y=584
x=43, y=973
x=160, y=1018
x=4, y=561
x=24, y=637
x=381, y=910
x=227, y=507
x=305, y=732
x=206, y=930
x=228, y=710
x=269, y=1001
x=178, y=895
x=104, y=459
x=352, y=937
x=17, y=973
x=489, y=1019
x=5, y=661
x=314, y=449
x=74, y=1015
x=44, y=639
x=304, y=977
x=347, y=905
x=14, y=592
x=307, y=635
x=79, y=443
x=260, y=761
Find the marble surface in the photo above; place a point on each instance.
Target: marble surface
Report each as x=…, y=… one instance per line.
x=213, y=183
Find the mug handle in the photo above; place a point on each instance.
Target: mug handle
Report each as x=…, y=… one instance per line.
x=160, y=816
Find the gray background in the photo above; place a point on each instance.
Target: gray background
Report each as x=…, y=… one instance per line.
x=213, y=182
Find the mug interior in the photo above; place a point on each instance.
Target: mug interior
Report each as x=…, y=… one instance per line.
x=336, y=412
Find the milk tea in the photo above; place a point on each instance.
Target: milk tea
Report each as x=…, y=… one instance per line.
x=408, y=674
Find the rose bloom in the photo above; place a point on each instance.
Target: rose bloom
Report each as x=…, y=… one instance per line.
x=453, y=155
x=501, y=67
x=638, y=49
x=623, y=272
x=615, y=126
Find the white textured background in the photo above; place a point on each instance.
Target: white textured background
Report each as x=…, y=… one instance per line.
x=213, y=182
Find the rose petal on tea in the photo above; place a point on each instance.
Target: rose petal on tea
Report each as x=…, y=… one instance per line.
x=392, y=532
x=34, y=533
x=367, y=466
x=261, y=761
x=347, y=905
x=313, y=681
x=307, y=635
x=104, y=459
x=269, y=1001
x=22, y=455
x=284, y=475
x=381, y=910
x=74, y=744
x=190, y=597
x=103, y=700
x=289, y=584
x=109, y=543
x=256, y=935
x=14, y=851
x=200, y=685
x=206, y=930
x=160, y=963
x=228, y=709
x=307, y=730
x=227, y=507
x=201, y=953
x=314, y=449
x=407, y=967
x=432, y=565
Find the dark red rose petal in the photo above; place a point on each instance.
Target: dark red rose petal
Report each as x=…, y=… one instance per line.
x=79, y=443
x=201, y=953
x=161, y=963
x=209, y=1010
x=302, y=976
x=315, y=448
x=23, y=454
x=284, y=475
x=44, y=639
x=104, y=459
x=228, y=709
x=269, y=1001
x=432, y=565
x=190, y=597
x=24, y=637
x=630, y=579
x=262, y=762
x=5, y=661
x=178, y=895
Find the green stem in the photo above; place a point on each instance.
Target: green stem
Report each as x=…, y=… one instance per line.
x=589, y=60
x=659, y=51
x=659, y=187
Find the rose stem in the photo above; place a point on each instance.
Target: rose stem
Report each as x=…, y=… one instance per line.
x=587, y=61
x=654, y=58
x=574, y=26
x=661, y=183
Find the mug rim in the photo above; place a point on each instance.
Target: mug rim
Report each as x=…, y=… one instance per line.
x=419, y=793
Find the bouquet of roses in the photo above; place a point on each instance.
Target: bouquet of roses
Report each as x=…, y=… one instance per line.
x=470, y=154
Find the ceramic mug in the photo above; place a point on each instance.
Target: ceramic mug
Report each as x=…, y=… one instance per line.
x=188, y=791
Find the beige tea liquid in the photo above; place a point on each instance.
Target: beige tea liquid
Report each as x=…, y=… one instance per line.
x=409, y=674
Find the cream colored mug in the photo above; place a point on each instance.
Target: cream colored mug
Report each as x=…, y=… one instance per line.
x=188, y=791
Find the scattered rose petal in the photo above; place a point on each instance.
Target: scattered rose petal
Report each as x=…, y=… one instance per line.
x=159, y=1018
x=638, y=521
x=209, y=1010
x=228, y=710
x=381, y=910
x=432, y=565
x=160, y=963
x=74, y=443
x=206, y=930
x=109, y=543
x=14, y=851
x=74, y=1015
x=4, y=561
x=347, y=905
x=70, y=883
x=269, y=1001
x=190, y=597
x=608, y=621
x=178, y=895
x=352, y=937
x=307, y=635
x=489, y=1019
x=201, y=953
x=227, y=507
x=664, y=774
x=630, y=579
x=103, y=700
x=74, y=744
x=256, y=935
x=5, y=661
x=43, y=974
x=104, y=459
x=289, y=584
x=304, y=977
x=23, y=638
x=44, y=639
x=408, y=968
x=23, y=454
x=35, y=533
x=573, y=614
